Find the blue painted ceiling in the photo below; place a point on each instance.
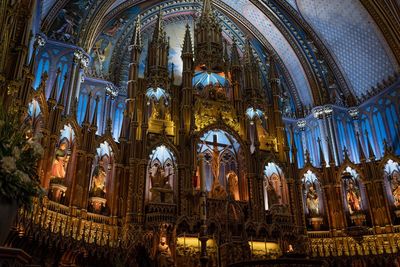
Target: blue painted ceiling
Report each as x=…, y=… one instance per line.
x=345, y=27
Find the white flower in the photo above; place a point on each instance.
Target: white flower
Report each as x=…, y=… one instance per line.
x=23, y=176
x=8, y=164
x=16, y=153
x=37, y=148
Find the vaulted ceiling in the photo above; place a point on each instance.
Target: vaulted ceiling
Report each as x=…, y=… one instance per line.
x=322, y=45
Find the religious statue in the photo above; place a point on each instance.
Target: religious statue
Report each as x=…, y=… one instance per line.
x=60, y=162
x=233, y=185
x=273, y=197
x=160, y=187
x=353, y=198
x=164, y=256
x=99, y=182
x=217, y=190
x=312, y=201
x=396, y=189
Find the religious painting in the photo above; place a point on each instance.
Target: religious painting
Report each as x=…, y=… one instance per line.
x=69, y=20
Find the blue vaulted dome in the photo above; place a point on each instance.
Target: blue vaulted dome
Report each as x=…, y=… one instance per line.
x=203, y=78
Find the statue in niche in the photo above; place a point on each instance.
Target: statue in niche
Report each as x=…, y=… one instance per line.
x=353, y=198
x=233, y=185
x=312, y=201
x=396, y=188
x=60, y=162
x=164, y=256
x=99, y=182
x=161, y=190
x=217, y=190
x=273, y=197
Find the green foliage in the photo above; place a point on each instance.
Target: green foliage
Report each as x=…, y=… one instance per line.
x=19, y=154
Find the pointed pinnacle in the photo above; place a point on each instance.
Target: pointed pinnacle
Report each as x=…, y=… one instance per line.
x=87, y=113
x=137, y=36
x=321, y=153
x=235, y=58
x=53, y=93
x=307, y=154
x=345, y=153
x=187, y=43
x=370, y=150
x=360, y=149
x=63, y=92
x=331, y=158
x=96, y=107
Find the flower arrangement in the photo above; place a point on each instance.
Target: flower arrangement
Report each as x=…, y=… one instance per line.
x=19, y=154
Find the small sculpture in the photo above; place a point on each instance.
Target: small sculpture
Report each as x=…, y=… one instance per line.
x=164, y=256
x=312, y=201
x=353, y=198
x=60, y=162
x=160, y=187
x=99, y=182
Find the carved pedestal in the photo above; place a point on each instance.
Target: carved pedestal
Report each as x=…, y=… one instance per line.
x=57, y=192
x=98, y=203
x=358, y=219
x=162, y=195
x=316, y=223
x=397, y=213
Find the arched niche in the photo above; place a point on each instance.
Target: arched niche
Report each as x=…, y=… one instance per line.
x=158, y=103
x=34, y=117
x=161, y=176
x=275, y=186
x=62, y=164
x=313, y=200
x=101, y=180
x=392, y=185
x=354, y=196
x=222, y=169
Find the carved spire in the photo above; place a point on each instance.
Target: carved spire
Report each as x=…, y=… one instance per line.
x=346, y=154
x=321, y=153
x=96, y=107
x=273, y=74
x=187, y=42
x=159, y=33
x=123, y=133
x=331, y=157
x=370, y=149
x=360, y=149
x=248, y=53
x=307, y=159
x=87, y=113
x=63, y=92
x=235, y=58
x=53, y=93
x=137, y=35
x=207, y=8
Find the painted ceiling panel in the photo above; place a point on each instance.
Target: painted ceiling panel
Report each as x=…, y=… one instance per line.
x=350, y=32
x=279, y=43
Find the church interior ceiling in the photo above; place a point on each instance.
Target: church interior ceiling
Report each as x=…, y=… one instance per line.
x=320, y=44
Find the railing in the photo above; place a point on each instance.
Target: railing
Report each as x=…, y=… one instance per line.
x=50, y=220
